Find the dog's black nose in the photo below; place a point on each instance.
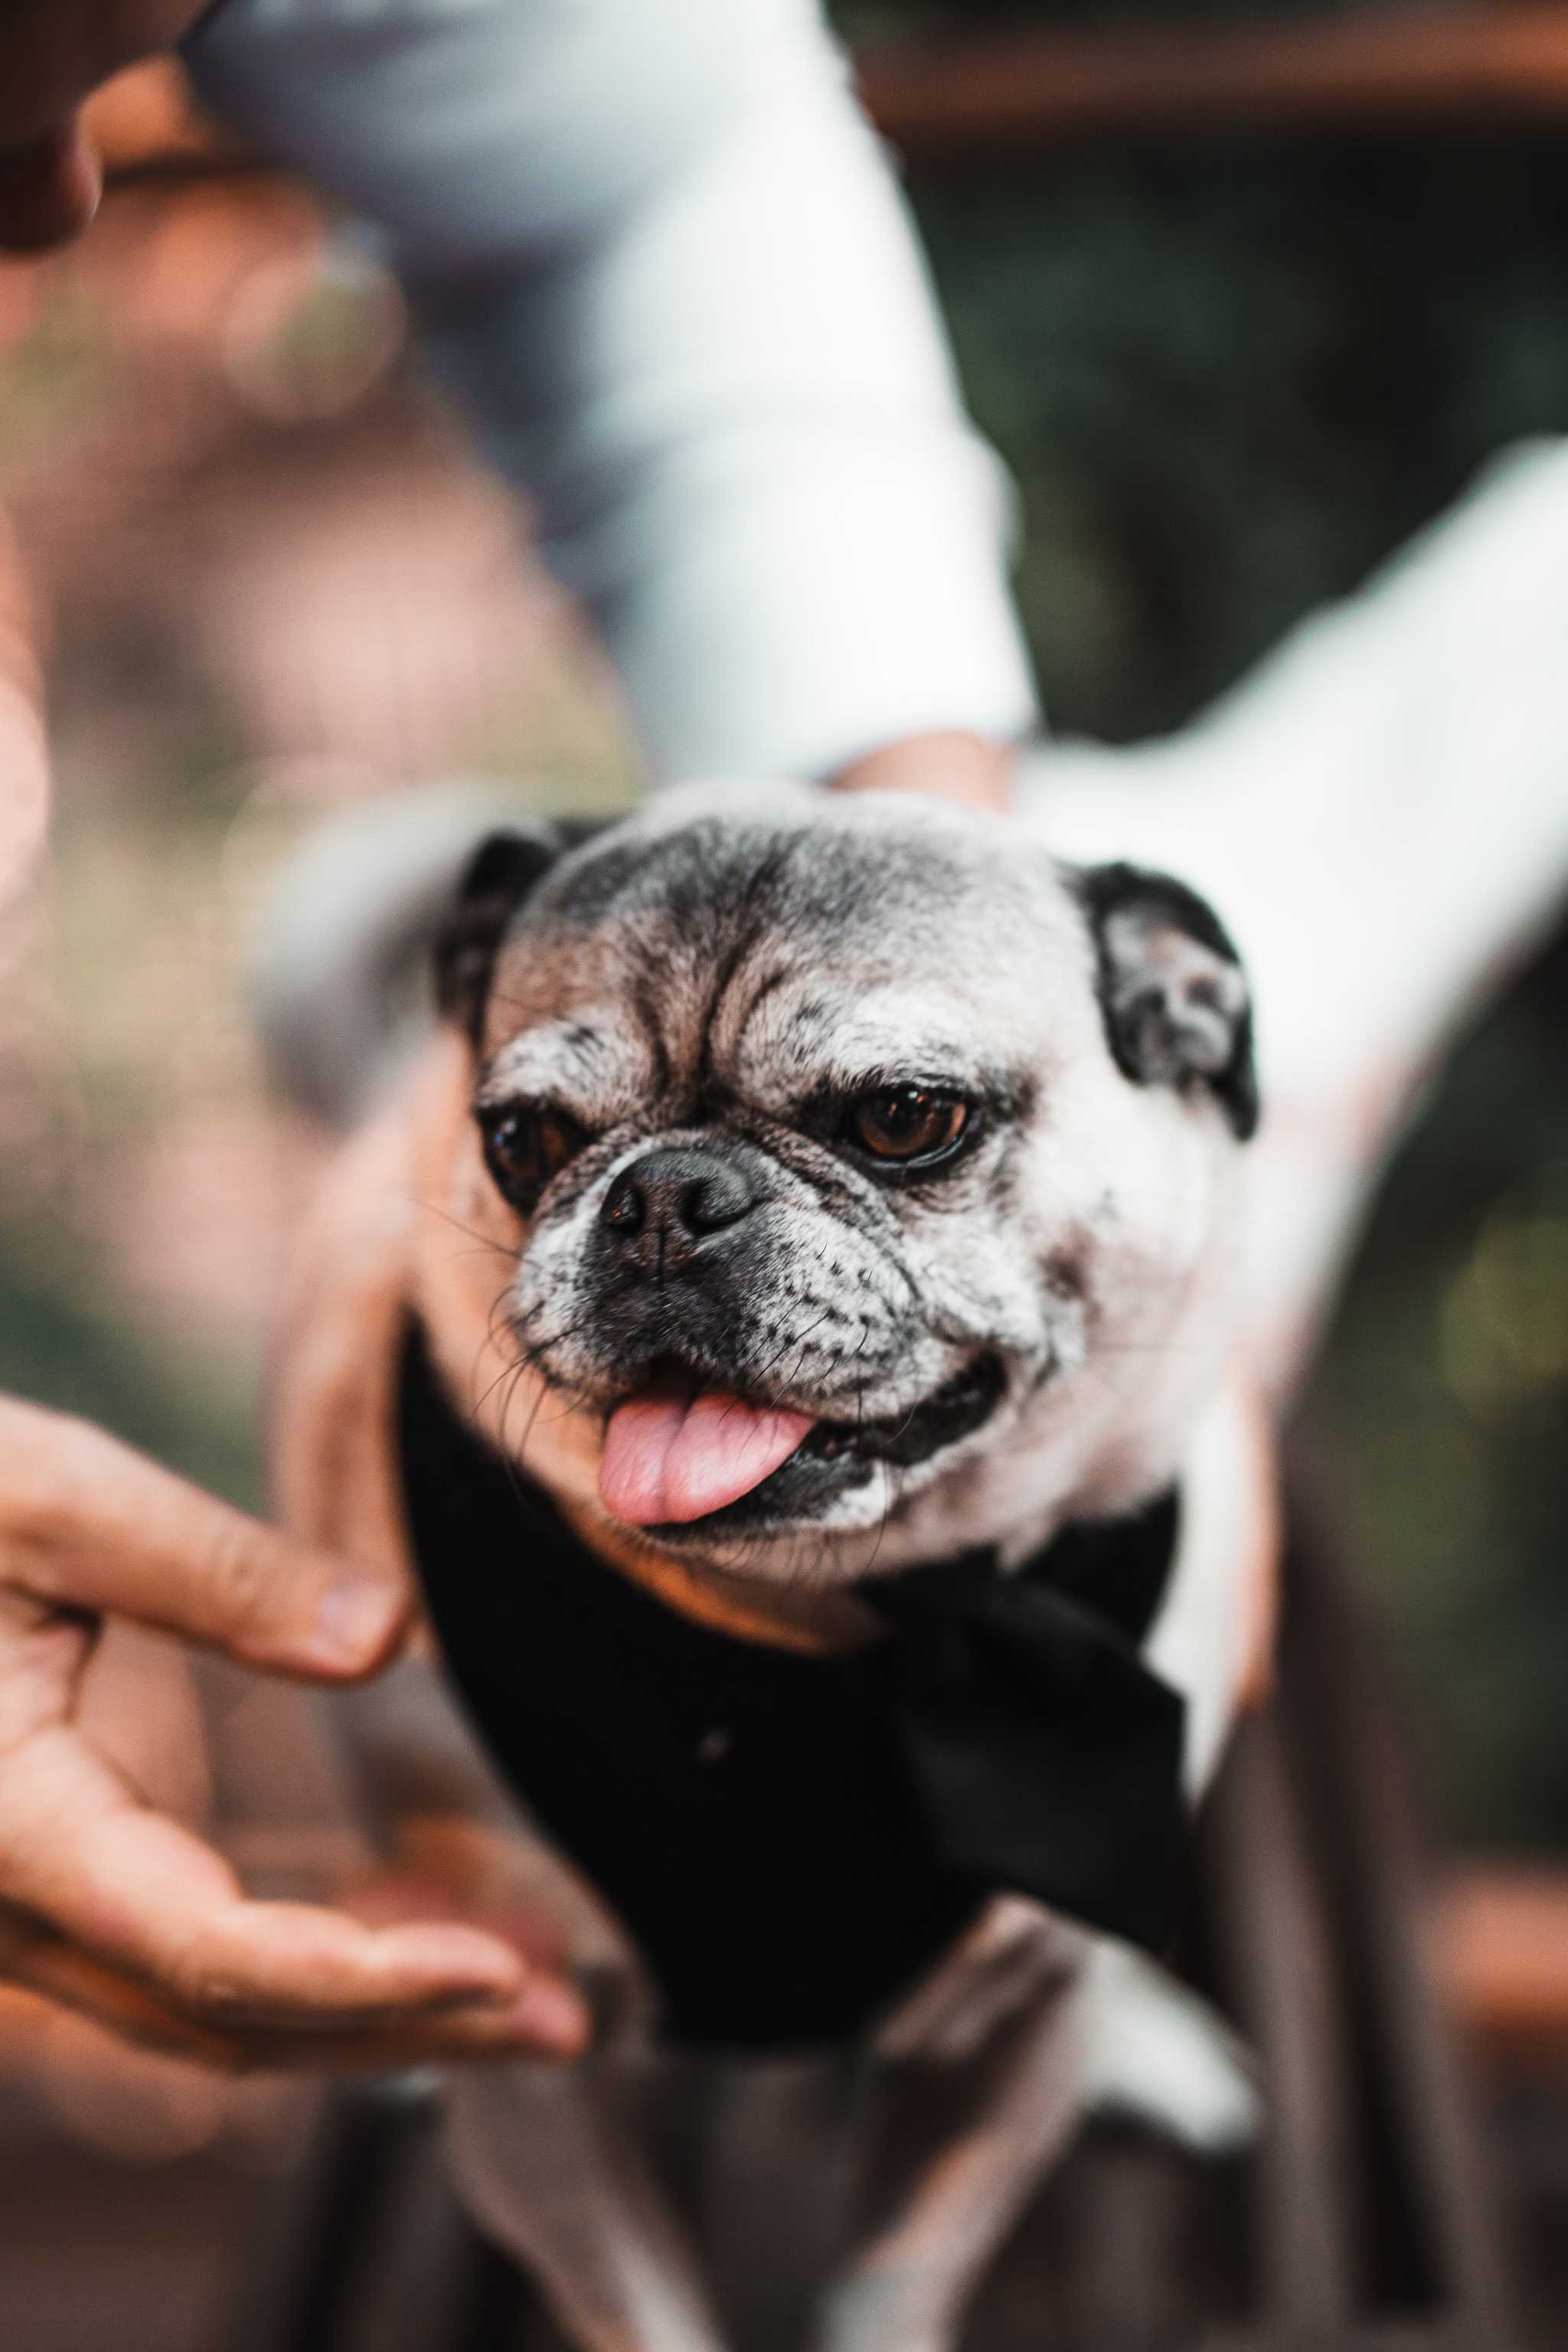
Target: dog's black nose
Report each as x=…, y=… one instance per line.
x=673, y=1201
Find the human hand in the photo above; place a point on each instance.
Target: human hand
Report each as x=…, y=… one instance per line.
x=949, y=766
x=114, y=1909
x=54, y=53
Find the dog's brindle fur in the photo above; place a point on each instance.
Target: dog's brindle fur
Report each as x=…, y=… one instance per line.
x=720, y=975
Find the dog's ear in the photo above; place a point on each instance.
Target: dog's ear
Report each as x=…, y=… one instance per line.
x=496, y=880
x=1173, y=995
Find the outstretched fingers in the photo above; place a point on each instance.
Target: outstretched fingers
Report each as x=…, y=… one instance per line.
x=114, y=1906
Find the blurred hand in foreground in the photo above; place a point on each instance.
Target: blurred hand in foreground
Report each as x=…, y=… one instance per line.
x=113, y=1908
x=53, y=55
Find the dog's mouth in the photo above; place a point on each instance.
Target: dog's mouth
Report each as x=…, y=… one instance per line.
x=681, y=1451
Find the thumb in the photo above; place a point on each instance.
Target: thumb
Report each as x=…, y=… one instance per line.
x=87, y=1523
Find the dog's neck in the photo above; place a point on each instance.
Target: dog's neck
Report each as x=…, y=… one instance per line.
x=779, y=1617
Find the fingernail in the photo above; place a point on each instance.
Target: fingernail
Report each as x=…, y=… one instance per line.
x=353, y=1621
x=549, y=2015
x=461, y=1963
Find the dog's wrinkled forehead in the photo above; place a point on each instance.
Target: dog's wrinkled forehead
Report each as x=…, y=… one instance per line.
x=708, y=948
x=763, y=955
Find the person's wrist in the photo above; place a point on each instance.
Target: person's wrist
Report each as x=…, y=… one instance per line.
x=949, y=765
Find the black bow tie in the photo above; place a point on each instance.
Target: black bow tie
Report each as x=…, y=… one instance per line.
x=792, y=1838
x=1047, y=1754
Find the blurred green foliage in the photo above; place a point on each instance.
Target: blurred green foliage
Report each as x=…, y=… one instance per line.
x=1434, y=1425
x=69, y=1340
x=1230, y=373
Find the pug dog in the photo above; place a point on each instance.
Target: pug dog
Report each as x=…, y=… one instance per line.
x=786, y=1320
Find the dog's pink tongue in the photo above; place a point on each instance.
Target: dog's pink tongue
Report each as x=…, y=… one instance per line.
x=674, y=1457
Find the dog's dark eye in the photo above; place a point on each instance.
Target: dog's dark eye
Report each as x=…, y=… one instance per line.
x=525, y=1147
x=908, y=1126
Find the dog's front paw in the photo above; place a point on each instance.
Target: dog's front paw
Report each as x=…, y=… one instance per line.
x=1151, y=2048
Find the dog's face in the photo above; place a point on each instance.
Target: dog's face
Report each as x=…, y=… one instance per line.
x=869, y=1174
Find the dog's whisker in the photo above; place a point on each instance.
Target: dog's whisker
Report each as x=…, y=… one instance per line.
x=485, y=1241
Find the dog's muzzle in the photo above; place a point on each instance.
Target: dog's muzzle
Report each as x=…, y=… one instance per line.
x=681, y=1263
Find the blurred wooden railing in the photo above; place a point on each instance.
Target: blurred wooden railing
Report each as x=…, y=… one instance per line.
x=982, y=99
x=988, y=97
x=1502, y=1958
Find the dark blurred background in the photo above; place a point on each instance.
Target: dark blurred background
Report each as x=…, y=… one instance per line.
x=1231, y=365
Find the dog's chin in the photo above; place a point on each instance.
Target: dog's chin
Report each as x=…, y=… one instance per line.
x=839, y=1477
